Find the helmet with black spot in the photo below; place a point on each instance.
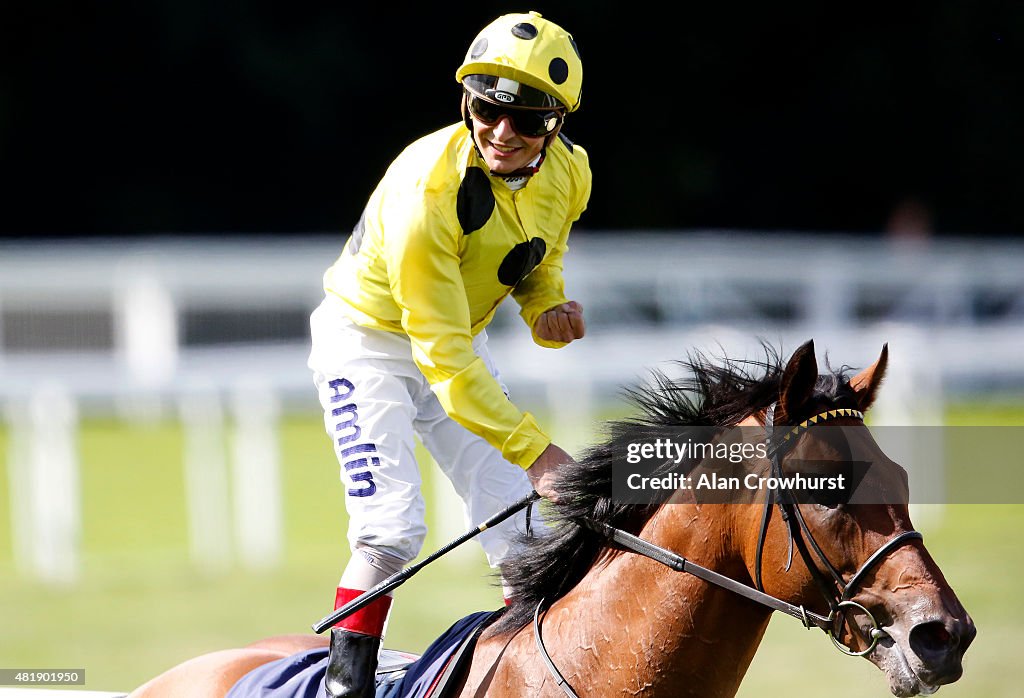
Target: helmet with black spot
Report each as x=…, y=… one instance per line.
x=524, y=60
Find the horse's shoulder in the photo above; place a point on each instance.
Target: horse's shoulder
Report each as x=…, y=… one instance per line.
x=496, y=660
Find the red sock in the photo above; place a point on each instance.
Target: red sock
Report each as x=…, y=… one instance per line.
x=368, y=620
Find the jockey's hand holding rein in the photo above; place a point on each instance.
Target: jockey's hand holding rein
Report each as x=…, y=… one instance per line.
x=544, y=471
x=563, y=323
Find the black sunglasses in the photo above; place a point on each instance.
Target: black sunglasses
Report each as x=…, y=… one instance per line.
x=532, y=123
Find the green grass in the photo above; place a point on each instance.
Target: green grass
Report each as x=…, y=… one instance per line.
x=141, y=606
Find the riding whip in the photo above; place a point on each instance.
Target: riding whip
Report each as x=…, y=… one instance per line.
x=399, y=578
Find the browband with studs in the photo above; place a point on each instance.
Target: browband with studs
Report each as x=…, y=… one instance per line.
x=822, y=417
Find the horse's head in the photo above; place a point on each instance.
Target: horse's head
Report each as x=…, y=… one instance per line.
x=859, y=561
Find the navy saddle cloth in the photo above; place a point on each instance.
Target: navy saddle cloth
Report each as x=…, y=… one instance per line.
x=302, y=675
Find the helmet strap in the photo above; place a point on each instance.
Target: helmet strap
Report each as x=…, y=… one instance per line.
x=528, y=171
x=468, y=120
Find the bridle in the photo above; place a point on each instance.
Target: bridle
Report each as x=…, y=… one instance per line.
x=837, y=592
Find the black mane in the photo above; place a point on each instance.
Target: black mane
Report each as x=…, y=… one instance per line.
x=712, y=393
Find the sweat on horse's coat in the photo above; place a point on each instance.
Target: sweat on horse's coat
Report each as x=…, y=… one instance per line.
x=302, y=675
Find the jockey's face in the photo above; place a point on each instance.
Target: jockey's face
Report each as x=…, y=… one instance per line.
x=503, y=148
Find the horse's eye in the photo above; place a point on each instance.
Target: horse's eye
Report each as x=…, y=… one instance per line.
x=830, y=500
x=829, y=483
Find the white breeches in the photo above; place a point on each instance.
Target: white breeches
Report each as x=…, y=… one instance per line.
x=375, y=402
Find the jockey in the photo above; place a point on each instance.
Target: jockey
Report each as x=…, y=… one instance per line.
x=463, y=218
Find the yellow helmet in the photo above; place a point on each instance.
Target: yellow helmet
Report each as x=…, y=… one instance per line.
x=530, y=54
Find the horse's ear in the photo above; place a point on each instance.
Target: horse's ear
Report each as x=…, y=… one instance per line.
x=798, y=380
x=865, y=384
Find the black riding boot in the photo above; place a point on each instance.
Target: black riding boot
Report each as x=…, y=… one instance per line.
x=352, y=664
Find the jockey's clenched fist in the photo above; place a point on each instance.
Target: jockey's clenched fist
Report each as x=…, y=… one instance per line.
x=563, y=323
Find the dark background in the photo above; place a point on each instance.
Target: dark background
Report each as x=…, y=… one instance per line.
x=214, y=117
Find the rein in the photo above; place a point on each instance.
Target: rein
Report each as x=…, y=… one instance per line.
x=837, y=592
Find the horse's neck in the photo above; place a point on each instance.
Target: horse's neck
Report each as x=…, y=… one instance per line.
x=634, y=625
x=682, y=635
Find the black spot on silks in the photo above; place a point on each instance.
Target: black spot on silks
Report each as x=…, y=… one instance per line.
x=558, y=70
x=524, y=30
x=521, y=260
x=565, y=141
x=475, y=201
x=355, y=240
x=478, y=48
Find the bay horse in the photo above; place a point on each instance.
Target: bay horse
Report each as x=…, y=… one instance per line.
x=605, y=603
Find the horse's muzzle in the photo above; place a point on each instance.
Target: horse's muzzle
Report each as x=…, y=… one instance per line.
x=939, y=646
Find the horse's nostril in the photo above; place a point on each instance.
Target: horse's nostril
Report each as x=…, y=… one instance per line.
x=931, y=639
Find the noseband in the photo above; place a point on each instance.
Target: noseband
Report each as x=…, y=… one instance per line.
x=836, y=591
